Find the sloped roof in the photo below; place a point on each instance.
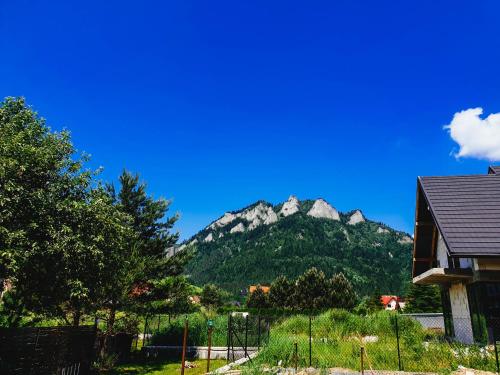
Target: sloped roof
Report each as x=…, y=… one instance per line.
x=466, y=209
x=494, y=169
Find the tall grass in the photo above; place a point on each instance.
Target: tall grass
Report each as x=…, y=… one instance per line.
x=172, y=334
x=338, y=335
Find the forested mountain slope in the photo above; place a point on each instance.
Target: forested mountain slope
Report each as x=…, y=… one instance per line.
x=262, y=241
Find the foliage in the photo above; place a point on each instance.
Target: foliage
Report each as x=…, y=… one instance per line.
x=166, y=368
x=258, y=299
x=423, y=299
x=281, y=293
x=71, y=246
x=341, y=292
x=337, y=336
x=373, y=302
x=172, y=333
x=311, y=290
x=367, y=257
x=139, y=274
x=54, y=226
x=211, y=297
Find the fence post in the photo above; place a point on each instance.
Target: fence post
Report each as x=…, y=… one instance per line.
x=144, y=332
x=258, y=333
x=228, y=335
x=296, y=356
x=397, y=341
x=246, y=335
x=362, y=354
x=209, y=347
x=496, y=350
x=184, y=344
x=310, y=341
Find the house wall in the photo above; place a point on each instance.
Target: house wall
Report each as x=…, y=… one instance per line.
x=481, y=264
x=460, y=313
x=442, y=252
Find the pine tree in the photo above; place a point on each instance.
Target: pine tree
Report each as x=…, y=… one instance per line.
x=342, y=293
x=281, y=293
x=311, y=290
x=423, y=299
x=258, y=299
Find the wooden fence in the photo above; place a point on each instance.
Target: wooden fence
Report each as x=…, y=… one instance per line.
x=47, y=351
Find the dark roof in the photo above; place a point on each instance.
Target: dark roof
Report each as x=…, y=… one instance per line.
x=494, y=169
x=466, y=209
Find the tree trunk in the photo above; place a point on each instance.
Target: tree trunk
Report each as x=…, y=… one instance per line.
x=111, y=318
x=76, y=318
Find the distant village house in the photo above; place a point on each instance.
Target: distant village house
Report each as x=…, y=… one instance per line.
x=392, y=302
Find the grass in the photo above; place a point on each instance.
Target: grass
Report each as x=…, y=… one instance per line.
x=166, y=368
x=337, y=337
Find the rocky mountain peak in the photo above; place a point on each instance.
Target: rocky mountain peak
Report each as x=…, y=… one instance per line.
x=321, y=209
x=356, y=217
x=290, y=207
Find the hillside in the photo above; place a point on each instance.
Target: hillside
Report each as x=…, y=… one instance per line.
x=262, y=241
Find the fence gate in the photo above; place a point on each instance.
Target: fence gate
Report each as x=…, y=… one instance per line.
x=246, y=333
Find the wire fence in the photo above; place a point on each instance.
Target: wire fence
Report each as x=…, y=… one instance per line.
x=379, y=342
x=333, y=339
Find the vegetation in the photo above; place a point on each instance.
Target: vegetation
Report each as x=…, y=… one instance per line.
x=71, y=246
x=337, y=336
x=423, y=299
x=258, y=299
x=169, y=368
x=212, y=297
x=368, y=257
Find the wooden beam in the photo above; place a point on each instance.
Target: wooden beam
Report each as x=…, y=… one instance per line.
x=424, y=223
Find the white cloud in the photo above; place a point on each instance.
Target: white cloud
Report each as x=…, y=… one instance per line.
x=477, y=137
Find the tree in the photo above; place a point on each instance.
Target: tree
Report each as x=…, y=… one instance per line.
x=143, y=262
x=311, y=290
x=258, y=299
x=49, y=249
x=342, y=293
x=281, y=292
x=423, y=299
x=373, y=303
x=211, y=296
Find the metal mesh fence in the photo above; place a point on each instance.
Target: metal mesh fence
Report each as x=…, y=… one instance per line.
x=338, y=339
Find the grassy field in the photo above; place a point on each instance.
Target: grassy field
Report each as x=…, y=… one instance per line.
x=338, y=335
x=166, y=368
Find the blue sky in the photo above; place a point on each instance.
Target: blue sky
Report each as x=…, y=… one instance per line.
x=219, y=104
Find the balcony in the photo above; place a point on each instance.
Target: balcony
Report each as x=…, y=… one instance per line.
x=443, y=276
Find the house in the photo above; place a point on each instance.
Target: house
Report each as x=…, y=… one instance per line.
x=457, y=246
x=392, y=302
x=253, y=288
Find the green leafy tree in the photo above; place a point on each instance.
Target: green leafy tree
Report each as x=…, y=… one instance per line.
x=281, y=292
x=49, y=247
x=258, y=299
x=311, y=290
x=423, y=299
x=342, y=293
x=211, y=296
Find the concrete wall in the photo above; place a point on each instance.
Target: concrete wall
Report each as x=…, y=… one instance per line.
x=428, y=320
x=461, y=314
x=442, y=252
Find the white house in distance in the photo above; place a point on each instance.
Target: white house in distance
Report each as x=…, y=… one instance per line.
x=391, y=303
x=457, y=246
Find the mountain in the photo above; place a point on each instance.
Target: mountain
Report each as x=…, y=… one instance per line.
x=260, y=242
